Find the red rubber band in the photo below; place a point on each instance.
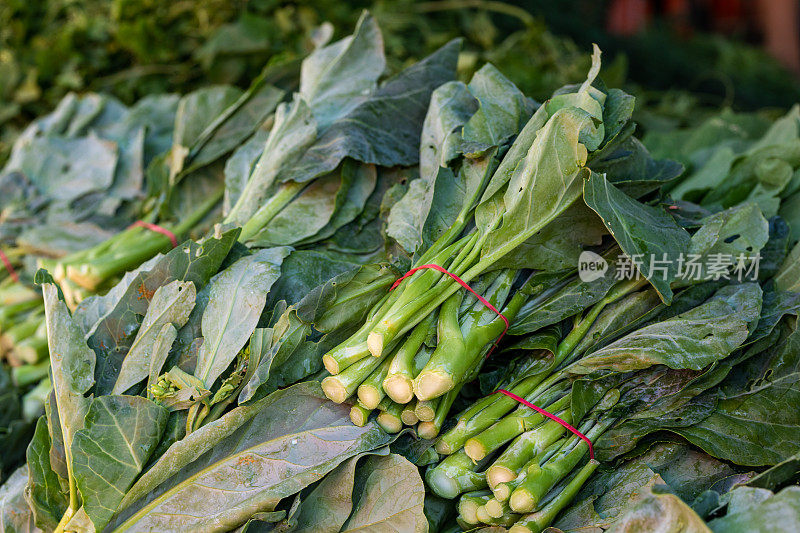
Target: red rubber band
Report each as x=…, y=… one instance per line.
x=9, y=266
x=551, y=416
x=461, y=282
x=157, y=229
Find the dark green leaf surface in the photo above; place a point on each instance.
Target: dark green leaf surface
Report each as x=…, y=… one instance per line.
x=327, y=507
x=247, y=461
x=780, y=512
x=45, y=490
x=364, y=135
x=691, y=340
x=112, y=449
x=236, y=299
x=113, y=335
x=72, y=365
x=389, y=496
x=755, y=422
x=646, y=234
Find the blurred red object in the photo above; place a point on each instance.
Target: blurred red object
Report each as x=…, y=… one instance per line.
x=628, y=17
x=775, y=21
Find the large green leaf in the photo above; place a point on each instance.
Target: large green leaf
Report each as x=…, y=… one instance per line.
x=63, y=176
x=389, y=496
x=365, y=135
x=617, y=318
x=246, y=462
x=658, y=512
x=691, y=340
x=559, y=244
x=239, y=166
x=305, y=216
x=89, y=312
x=111, y=450
x=236, y=298
x=171, y=304
x=780, y=512
x=738, y=230
x=755, y=422
x=706, y=177
x=112, y=336
x=342, y=301
x=336, y=78
x=304, y=270
x=72, y=365
x=613, y=490
x=45, y=490
x=293, y=132
x=276, y=346
x=196, y=112
x=562, y=299
x=544, y=184
x=503, y=109
x=450, y=107
x=234, y=124
x=646, y=234
x=788, y=276
x=326, y=508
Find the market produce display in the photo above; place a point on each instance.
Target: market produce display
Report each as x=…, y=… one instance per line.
x=405, y=302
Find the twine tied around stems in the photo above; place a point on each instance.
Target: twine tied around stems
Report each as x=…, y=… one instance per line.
x=158, y=229
x=513, y=396
x=9, y=266
x=551, y=416
x=463, y=283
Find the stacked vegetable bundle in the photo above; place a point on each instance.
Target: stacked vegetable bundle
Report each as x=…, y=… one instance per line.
x=616, y=385
x=172, y=399
x=336, y=196
x=426, y=339
x=167, y=354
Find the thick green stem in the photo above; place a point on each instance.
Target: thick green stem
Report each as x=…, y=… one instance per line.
x=426, y=409
x=9, y=312
x=431, y=429
x=268, y=210
x=445, y=364
x=359, y=415
x=409, y=414
x=541, y=519
x=449, y=367
x=31, y=350
x=487, y=411
x=469, y=503
x=133, y=247
x=525, y=446
x=341, y=386
x=528, y=496
x=356, y=347
x=370, y=392
x=483, y=414
x=455, y=475
x=22, y=330
x=511, y=426
x=399, y=381
x=28, y=374
x=576, y=335
x=389, y=418
x=496, y=509
x=414, y=293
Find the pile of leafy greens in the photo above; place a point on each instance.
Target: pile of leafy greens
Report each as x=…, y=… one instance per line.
x=265, y=374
